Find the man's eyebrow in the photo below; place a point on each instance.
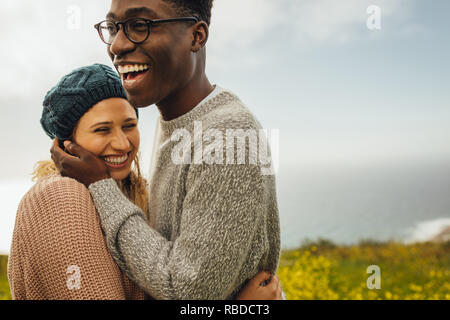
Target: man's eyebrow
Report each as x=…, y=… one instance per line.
x=111, y=16
x=130, y=119
x=133, y=12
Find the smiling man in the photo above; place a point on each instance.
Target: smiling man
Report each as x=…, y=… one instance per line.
x=212, y=225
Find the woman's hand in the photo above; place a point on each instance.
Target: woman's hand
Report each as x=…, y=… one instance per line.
x=255, y=289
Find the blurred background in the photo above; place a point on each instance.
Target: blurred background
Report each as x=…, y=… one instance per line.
x=363, y=113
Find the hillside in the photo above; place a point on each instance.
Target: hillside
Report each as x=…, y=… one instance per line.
x=322, y=270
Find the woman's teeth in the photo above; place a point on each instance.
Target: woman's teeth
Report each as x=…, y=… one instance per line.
x=116, y=160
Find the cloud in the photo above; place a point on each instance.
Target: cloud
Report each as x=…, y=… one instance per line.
x=332, y=21
x=247, y=35
x=244, y=32
x=236, y=24
x=37, y=50
x=39, y=47
x=240, y=23
x=241, y=32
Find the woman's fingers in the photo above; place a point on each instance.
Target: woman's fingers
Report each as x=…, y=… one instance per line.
x=275, y=287
x=263, y=286
x=260, y=278
x=279, y=289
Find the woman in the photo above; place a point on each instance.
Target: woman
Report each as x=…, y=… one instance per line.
x=58, y=250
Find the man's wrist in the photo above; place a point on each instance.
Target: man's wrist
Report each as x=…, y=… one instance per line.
x=90, y=183
x=93, y=180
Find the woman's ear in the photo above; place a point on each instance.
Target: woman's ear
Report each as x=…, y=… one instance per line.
x=61, y=144
x=200, y=35
x=63, y=147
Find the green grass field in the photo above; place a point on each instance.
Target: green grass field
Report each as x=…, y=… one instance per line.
x=322, y=270
x=4, y=287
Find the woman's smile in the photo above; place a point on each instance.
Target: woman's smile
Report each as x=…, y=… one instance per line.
x=117, y=161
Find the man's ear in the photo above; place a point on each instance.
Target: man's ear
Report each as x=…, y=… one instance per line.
x=200, y=35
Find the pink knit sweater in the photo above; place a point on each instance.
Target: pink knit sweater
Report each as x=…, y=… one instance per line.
x=58, y=251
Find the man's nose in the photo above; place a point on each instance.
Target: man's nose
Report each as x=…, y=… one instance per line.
x=121, y=44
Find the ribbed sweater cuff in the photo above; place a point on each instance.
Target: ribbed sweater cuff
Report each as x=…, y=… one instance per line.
x=113, y=208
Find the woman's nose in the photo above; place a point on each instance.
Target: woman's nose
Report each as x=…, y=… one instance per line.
x=120, y=142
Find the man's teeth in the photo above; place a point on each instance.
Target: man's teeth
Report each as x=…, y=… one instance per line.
x=131, y=68
x=116, y=160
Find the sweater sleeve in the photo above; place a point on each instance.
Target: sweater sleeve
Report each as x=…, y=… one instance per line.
x=58, y=250
x=15, y=269
x=222, y=207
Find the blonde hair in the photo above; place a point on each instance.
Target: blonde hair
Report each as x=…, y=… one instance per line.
x=134, y=186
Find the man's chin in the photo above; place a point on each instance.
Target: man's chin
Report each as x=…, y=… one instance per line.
x=139, y=102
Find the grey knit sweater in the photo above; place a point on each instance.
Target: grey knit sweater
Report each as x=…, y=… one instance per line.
x=212, y=226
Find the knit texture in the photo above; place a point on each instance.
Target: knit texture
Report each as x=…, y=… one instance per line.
x=75, y=94
x=57, y=227
x=212, y=226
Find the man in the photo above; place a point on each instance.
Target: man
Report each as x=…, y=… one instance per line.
x=213, y=223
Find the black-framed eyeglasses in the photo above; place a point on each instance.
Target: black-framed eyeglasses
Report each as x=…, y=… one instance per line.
x=137, y=30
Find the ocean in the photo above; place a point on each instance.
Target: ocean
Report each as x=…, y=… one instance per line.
x=347, y=204
x=341, y=204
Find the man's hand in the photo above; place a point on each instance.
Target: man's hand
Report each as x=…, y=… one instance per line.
x=263, y=286
x=83, y=166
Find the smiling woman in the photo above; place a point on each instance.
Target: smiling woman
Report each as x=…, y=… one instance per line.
x=109, y=130
x=57, y=229
x=99, y=119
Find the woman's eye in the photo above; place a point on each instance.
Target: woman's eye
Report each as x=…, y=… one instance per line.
x=133, y=125
x=101, y=130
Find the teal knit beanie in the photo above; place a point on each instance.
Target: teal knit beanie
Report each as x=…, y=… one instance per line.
x=75, y=94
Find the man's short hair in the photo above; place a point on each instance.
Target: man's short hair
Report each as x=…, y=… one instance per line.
x=197, y=8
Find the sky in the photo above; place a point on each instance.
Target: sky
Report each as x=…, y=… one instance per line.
x=340, y=93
